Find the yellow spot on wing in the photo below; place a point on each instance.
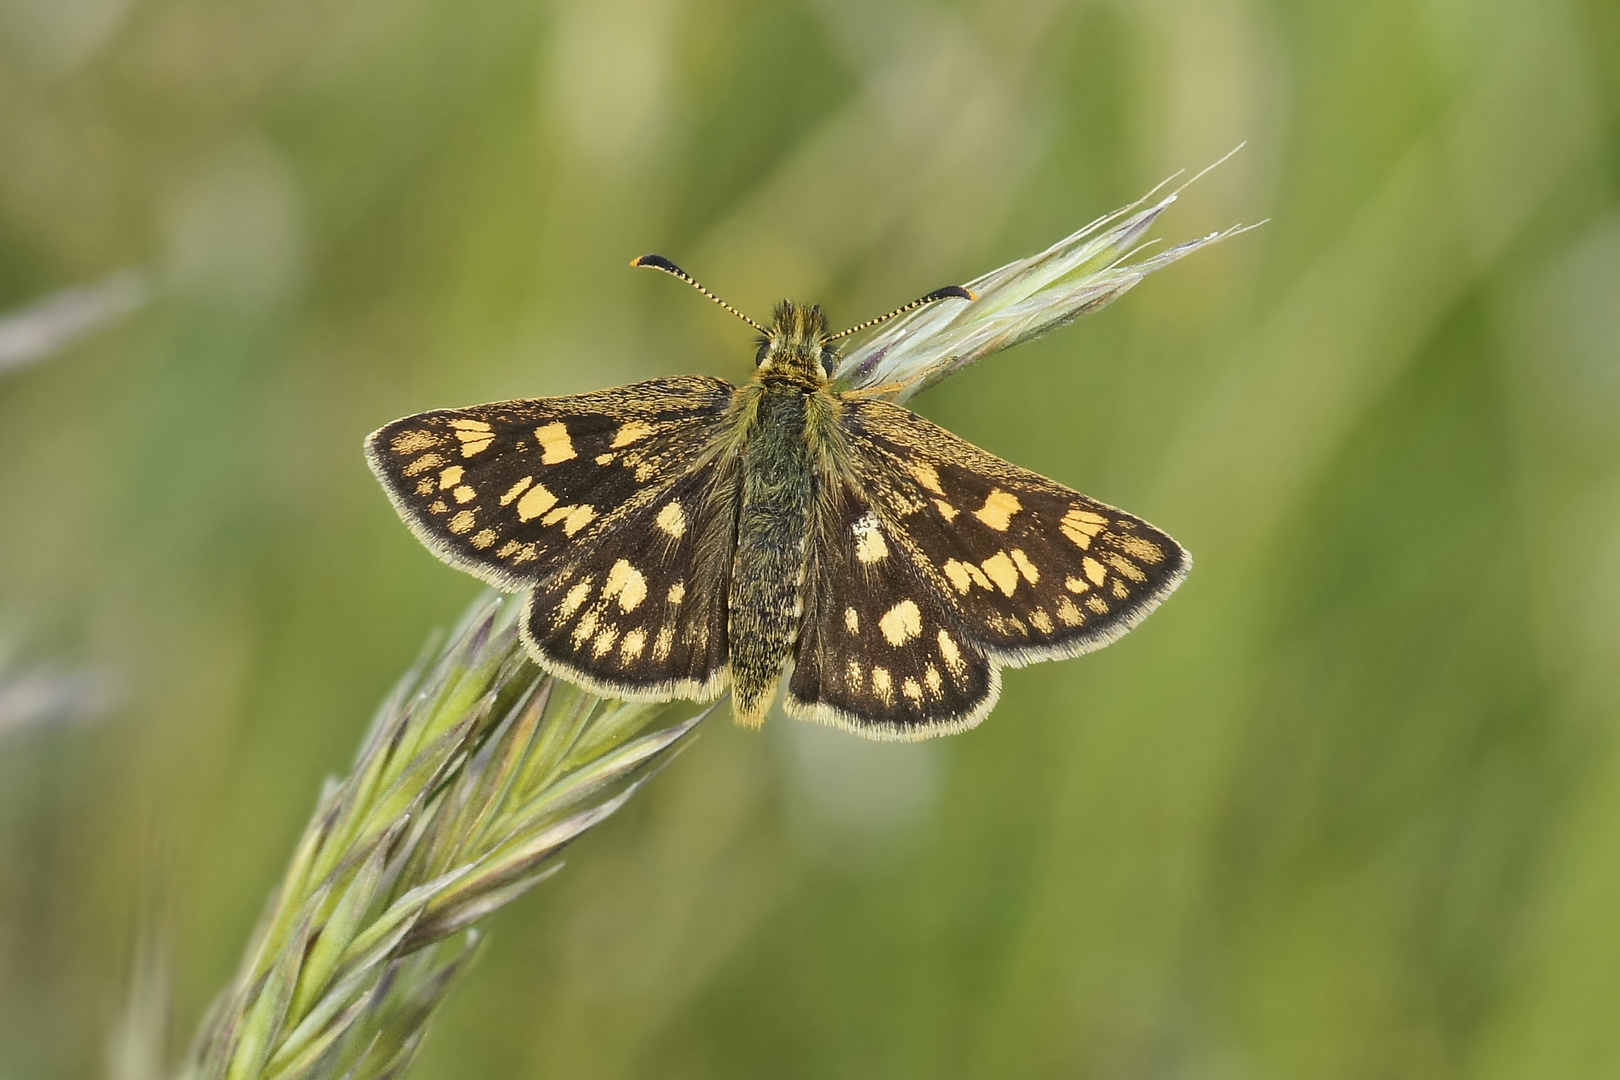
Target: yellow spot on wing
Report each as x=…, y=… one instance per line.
x=1068, y=614
x=409, y=442
x=604, y=641
x=1076, y=585
x=1094, y=570
x=951, y=654
x=462, y=522
x=1120, y=589
x=869, y=543
x=536, y=501
x=932, y=678
x=912, y=689
x=1097, y=604
x=855, y=674
x=1140, y=549
x=576, y=596
x=666, y=637
x=475, y=436
x=1005, y=624
x=423, y=464
x=946, y=510
x=1126, y=568
x=672, y=519
x=581, y=517
x=677, y=592
x=998, y=509
x=1042, y=621
x=555, y=445
x=450, y=477
x=852, y=620
x=635, y=643
x=1025, y=567
x=438, y=507
x=586, y=627
x=625, y=582
x=464, y=494
x=484, y=539
x=1081, y=525
x=901, y=623
x=1002, y=572
x=574, y=518
x=926, y=476
x=515, y=490
x=631, y=432
x=958, y=573
x=883, y=685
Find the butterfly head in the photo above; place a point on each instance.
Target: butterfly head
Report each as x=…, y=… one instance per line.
x=797, y=345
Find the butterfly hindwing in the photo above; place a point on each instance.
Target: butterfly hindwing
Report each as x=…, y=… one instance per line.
x=1033, y=569
x=880, y=651
x=507, y=491
x=640, y=613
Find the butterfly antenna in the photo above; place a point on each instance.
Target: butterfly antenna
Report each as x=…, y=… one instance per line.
x=658, y=262
x=960, y=292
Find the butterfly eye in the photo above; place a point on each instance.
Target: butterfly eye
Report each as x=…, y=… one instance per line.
x=829, y=360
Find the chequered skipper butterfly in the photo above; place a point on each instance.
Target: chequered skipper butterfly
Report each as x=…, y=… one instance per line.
x=681, y=535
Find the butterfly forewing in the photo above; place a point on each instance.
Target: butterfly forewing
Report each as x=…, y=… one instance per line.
x=613, y=509
x=507, y=491
x=1033, y=569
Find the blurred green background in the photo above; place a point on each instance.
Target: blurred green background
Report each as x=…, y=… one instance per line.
x=1347, y=806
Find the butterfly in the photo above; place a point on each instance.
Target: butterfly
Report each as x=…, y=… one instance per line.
x=682, y=536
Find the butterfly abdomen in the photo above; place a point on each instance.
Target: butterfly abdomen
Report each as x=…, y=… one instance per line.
x=768, y=568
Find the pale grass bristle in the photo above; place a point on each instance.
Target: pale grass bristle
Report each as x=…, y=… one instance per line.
x=477, y=771
x=1080, y=274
